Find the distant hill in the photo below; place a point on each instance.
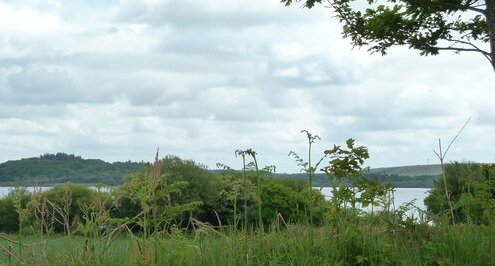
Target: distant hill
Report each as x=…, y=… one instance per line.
x=410, y=170
x=49, y=169
x=413, y=176
x=60, y=168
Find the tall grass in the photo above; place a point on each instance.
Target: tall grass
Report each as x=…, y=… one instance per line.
x=359, y=244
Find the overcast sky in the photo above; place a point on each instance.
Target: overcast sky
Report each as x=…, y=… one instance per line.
x=116, y=79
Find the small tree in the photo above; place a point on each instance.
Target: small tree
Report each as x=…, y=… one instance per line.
x=345, y=173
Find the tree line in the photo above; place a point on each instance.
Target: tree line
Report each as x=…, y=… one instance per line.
x=49, y=169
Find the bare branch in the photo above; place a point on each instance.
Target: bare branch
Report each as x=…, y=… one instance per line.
x=459, y=133
x=438, y=155
x=458, y=49
x=486, y=54
x=470, y=44
x=475, y=9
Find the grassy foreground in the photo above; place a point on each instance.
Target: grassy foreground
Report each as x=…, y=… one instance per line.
x=367, y=243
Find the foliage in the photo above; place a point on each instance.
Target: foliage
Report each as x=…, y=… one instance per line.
x=345, y=166
x=282, y=198
x=152, y=194
x=237, y=197
x=472, y=191
x=292, y=206
x=426, y=26
x=64, y=206
x=203, y=186
x=297, y=185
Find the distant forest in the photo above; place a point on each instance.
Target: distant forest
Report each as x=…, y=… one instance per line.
x=413, y=176
x=50, y=169
x=400, y=181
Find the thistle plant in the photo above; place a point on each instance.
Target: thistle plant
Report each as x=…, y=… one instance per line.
x=253, y=154
x=243, y=155
x=253, y=166
x=232, y=194
x=307, y=167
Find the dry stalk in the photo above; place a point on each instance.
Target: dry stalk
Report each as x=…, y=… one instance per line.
x=441, y=156
x=11, y=254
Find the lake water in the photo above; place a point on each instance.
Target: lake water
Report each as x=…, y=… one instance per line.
x=5, y=190
x=401, y=195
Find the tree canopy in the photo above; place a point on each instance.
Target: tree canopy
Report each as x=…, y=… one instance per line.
x=429, y=26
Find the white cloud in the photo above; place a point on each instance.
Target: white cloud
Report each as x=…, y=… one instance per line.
x=291, y=72
x=200, y=79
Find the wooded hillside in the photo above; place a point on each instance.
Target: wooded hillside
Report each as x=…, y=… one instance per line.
x=61, y=167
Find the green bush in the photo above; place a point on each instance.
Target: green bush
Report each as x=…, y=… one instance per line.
x=203, y=186
x=277, y=198
x=65, y=203
x=471, y=187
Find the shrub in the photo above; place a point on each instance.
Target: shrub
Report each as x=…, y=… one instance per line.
x=471, y=187
x=203, y=186
x=278, y=198
x=65, y=204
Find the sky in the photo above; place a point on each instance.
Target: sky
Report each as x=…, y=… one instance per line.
x=116, y=79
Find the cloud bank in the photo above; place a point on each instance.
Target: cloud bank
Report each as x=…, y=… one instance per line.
x=200, y=79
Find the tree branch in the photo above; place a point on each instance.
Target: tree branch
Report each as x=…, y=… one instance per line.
x=479, y=10
x=486, y=54
x=451, y=5
x=459, y=49
x=470, y=44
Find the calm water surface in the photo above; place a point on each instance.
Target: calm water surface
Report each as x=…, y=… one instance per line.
x=401, y=195
x=5, y=190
